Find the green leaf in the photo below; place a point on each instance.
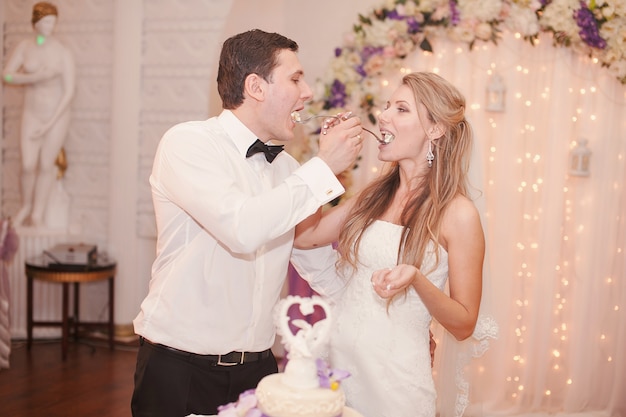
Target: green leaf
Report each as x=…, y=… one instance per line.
x=426, y=46
x=364, y=20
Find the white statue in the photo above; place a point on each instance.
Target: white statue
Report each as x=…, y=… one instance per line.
x=45, y=67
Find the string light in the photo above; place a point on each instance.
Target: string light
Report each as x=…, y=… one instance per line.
x=530, y=161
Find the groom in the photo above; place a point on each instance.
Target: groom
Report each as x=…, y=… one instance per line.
x=225, y=217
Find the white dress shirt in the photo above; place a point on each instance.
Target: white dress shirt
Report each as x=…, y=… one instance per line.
x=225, y=234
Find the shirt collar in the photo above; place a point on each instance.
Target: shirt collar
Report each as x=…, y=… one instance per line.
x=241, y=136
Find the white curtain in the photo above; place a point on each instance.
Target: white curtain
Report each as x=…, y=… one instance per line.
x=555, y=269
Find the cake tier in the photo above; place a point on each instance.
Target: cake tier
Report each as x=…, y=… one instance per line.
x=350, y=412
x=279, y=400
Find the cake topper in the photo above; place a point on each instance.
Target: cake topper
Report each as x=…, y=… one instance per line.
x=308, y=340
x=305, y=344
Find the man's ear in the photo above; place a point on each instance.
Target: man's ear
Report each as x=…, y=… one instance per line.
x=254, y=87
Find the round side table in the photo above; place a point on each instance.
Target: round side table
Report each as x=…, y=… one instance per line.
x=42, y=269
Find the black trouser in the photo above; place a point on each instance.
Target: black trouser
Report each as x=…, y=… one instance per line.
x=173, y=384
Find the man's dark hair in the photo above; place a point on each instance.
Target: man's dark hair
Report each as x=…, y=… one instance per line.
x=252, y=52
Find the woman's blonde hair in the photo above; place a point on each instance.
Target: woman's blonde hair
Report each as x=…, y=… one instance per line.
x=422, y=214
x=43, y=9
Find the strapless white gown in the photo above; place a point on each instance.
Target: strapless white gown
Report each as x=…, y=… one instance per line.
x=385, y=350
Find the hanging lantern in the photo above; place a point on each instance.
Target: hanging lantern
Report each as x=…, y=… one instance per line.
x=579, y=159
x=495, y=94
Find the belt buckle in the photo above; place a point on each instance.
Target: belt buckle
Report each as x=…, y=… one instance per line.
x=219, y=360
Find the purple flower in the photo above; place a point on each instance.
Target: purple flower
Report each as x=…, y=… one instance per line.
x=588, y=27
x=337, y=97
x=394, y=15
x=329, y=378
x=244, y=407
x=338, y=52
x=368, y=51
x=455, y=15
x=413, y=25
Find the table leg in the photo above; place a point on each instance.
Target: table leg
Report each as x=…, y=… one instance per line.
x=29, y=312
x=65, y=321
x=111, y=312
x=76, y=320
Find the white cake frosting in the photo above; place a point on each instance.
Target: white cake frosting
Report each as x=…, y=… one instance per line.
x=298, y=392
x=278, y=399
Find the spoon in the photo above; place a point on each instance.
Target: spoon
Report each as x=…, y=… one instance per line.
x=296, y=118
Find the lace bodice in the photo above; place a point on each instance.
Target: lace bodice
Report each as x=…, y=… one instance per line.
x=386, y=348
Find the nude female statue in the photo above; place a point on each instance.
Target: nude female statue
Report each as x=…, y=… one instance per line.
x=45, y=68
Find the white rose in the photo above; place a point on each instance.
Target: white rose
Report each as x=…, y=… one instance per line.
x=349, y=39
x=462, y=33
x=440, y=13
x=484, y=10
x=618, y=6
x=430, y=5
x=403, y=46
x=618, y=69
x=523, y=20
x=353, y=59
x=378, y=32
x=558, y=16
x=483, y=31
x=374, y=65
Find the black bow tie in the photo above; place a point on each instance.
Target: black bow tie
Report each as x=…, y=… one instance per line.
x=270, y=151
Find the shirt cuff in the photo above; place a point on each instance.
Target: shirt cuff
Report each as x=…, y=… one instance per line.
x=317, y=267
x=320, y=179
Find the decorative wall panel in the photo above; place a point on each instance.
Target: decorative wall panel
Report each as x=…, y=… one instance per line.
x=180, y=52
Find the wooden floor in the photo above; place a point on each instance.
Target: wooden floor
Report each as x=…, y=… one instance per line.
x=93, y=381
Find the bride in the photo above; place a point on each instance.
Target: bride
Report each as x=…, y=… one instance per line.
x=400, y=240
x=45, y=67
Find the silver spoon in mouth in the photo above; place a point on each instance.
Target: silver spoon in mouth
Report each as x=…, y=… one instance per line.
x=296, y=118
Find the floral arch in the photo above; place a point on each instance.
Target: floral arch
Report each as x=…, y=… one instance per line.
x=382, y=39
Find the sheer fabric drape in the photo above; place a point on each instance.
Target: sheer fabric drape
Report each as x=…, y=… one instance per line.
x=555, y=275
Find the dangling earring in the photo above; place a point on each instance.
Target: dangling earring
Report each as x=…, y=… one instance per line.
x=430, y=157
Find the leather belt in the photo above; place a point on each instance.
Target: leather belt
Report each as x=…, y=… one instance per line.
x=228, y=359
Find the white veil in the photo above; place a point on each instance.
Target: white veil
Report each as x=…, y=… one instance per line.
x=459, y=367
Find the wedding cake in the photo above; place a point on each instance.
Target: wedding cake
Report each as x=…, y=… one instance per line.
x=307, y=387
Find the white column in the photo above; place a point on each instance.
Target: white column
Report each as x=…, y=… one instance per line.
x=1, y=94
x=123, y=179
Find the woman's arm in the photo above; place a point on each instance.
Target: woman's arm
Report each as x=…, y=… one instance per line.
x=14, y=63
x=11, y=73
x=462, y=234
x=322, y=227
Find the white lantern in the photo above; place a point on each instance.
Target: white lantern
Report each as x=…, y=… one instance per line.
x=579, y=159
x=495, y=94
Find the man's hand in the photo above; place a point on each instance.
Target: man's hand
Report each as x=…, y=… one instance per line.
x=340, y=142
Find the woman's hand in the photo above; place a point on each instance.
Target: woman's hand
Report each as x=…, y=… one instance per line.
x=388, y=282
